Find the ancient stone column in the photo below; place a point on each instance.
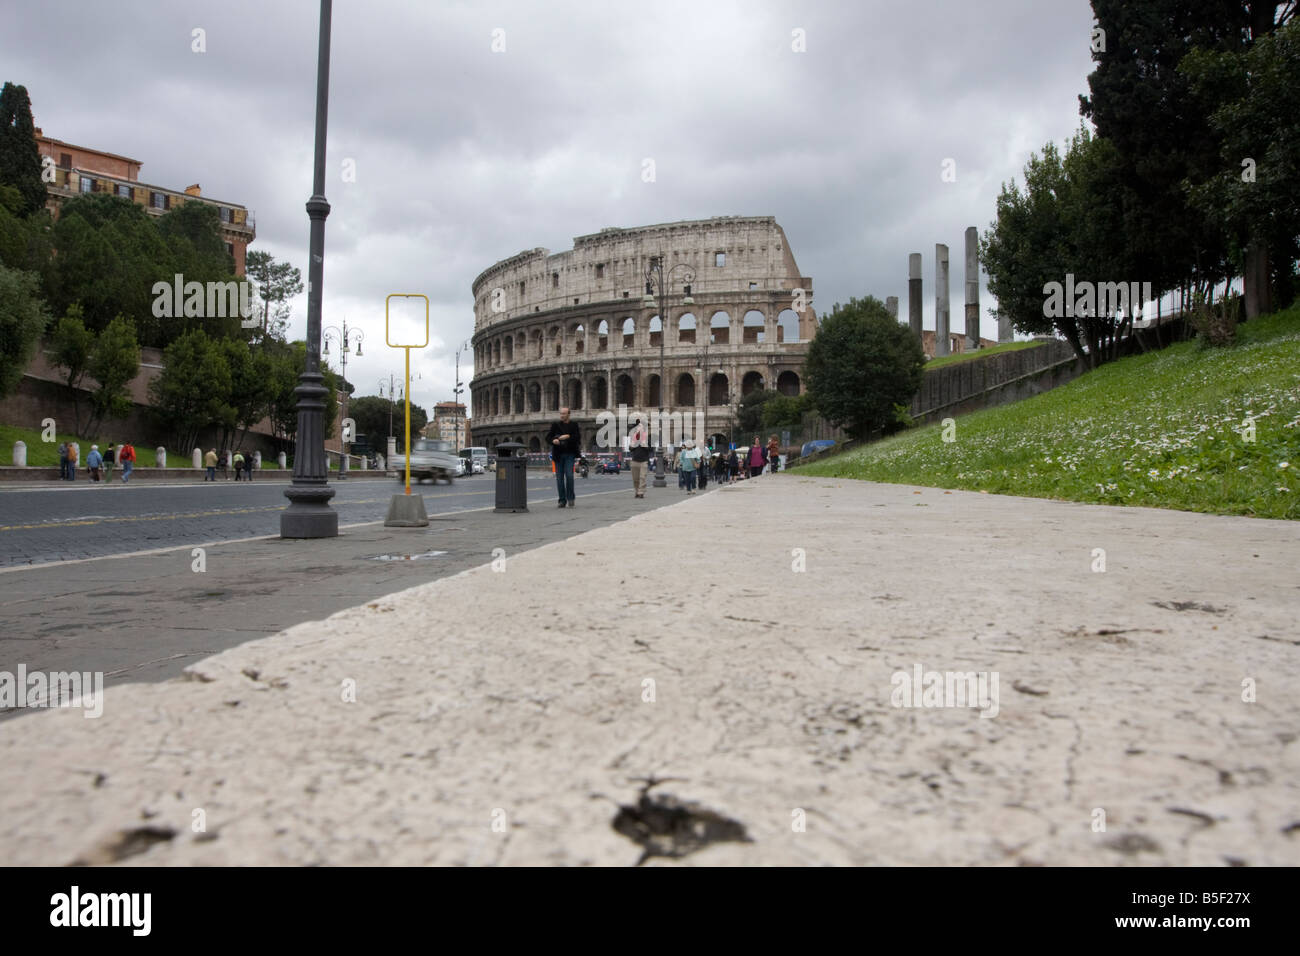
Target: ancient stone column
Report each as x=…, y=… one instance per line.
x=914, y=293
x=972, y=289
x=891, y=305
x=941, y=345
x=1005, y=332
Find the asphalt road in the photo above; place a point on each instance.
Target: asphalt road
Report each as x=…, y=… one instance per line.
x=60, y=522
x=139, y=582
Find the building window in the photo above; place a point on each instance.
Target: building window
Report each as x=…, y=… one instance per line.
x=230, y=248
x=157, y=200
x=575, y=301
x=65, y=160
x=124, y=191
x=521, y=290
x=719, y=259
x=225, y=214
x=555, y=280
x=600, y=270
x=753, y=286
x=87, y=184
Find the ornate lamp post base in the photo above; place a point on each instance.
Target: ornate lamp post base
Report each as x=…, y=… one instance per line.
x=309, y=514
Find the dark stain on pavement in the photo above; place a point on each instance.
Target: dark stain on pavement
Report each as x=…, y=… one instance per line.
x=665, y=826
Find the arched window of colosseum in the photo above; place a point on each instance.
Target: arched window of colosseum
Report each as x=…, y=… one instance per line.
x=505, y=400
x=557, y=340
x=573, y=394
x=656, y=330
x=686, y=328
x=510, y=348
x=685, y=389
x=599, y=392
x=750, y=382
x=496, y=402
x=496, y=352
x=537, y=343
x=652, y=391
x=720, y=328
x=625, y=391
x=718, y=389
x=534, y=444
x=787, y=383
x=579, y=336
x=552, y=396
x=754, y=327
x=602, y=336
x=534, y=397
x=629, y=332
x=521, y=346
x=787, y=326
x=519, y=399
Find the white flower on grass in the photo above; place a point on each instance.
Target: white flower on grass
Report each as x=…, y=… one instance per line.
x=1285, y=464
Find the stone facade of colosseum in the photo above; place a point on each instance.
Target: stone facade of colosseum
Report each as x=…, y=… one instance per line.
x=572, y=329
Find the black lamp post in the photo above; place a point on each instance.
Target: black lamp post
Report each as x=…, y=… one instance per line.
x=309, y=514
x=653, y=270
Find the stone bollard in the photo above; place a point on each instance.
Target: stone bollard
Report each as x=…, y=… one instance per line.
x=197, y=458
x=20, y=454
x=257, y=461
x=283, y=460
x=160, y=454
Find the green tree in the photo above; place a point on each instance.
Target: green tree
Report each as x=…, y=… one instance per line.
x=252, y=389
x=1255, y=196
x=114, y=362
x=861, y=366
x=288, y=361
x=20, y=160
x=749, y=413
x=24, y=241
x=1064, y=222
x=23, y=317
x=193, y=390
x=71, y=347
x=784, y=411
x=277, y=282
x=371, y=415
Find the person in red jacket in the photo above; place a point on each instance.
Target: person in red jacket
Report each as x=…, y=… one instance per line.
x=126, y=454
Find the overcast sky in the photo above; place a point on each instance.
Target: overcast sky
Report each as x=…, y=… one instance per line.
x=464, y=156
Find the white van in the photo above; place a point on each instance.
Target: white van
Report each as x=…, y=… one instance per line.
x=478, y=456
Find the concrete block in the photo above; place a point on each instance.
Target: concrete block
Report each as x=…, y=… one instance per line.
x=406, y=511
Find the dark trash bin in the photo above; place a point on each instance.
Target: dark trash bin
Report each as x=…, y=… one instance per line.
x=512, y=477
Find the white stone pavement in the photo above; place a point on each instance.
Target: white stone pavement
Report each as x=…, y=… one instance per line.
x=502, y=716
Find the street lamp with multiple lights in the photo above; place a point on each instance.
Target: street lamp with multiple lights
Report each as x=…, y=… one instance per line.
x=456, y=393
x=653, y=270
x=332, y=333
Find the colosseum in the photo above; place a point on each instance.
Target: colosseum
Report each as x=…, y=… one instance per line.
x=577, y=329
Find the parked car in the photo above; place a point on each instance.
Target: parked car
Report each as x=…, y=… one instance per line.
x=813, y=447
x=607, y=465
x=431, y=458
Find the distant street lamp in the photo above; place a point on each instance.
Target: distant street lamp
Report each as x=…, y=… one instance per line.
x=456, y=393
x=332, y=333
x=309, y=514
x=656, y=270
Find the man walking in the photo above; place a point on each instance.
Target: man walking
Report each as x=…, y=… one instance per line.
x=94, y=461
x=210, y=463
x=686, y=463
x=564, y=440
x=127, y=454
x=74, y=455
x=63, y=461
x=639, y=444
x=109, y=457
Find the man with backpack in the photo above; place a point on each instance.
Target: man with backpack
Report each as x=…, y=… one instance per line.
x=239, y=465
x=126, y=455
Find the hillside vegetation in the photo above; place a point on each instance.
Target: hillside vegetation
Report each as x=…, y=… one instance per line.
x=1168, y=429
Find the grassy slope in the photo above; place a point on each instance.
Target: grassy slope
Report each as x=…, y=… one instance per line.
x=47, y=453
x=953, y=359
x=1161, y=430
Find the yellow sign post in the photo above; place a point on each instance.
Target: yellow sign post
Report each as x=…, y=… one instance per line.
x=394, y=345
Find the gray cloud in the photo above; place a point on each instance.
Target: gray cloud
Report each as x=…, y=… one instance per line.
x=464, y=156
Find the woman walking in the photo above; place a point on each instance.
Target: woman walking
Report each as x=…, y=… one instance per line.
x=773, y=453
x=757, y=457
